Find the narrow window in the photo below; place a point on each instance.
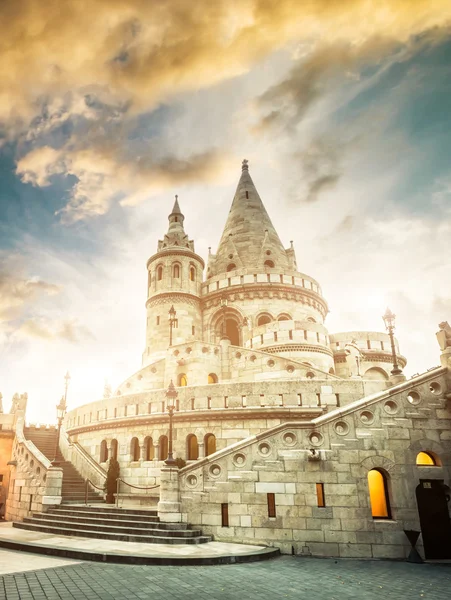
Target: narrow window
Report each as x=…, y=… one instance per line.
x=192, y=403
x=29, y=504
x=337, y=397
x=290, y=334
x=160, y=273
x=262, y=399
x=280, y=399
x=377, y=484
x=229, y=281
x=271, y=505
x=226, y=402
x=337, y=344
x=281, y=278
x=261, y=339
x=158, y=320
x=115, y=412
x=20, y=493
x=193, y=330
x=368, y=344
x=208, y=402
x=177, y=404
x=176, y=271
x=224, y=515
x=192, y=274
x=149, y=408
x=320, y=495
x=305, y=335
x=275, y=336
x=382, y=345
x=137, y=409
x=268, y=277
x=90, y=417
x=243, y=401
x=299, y=399
x=162, y=406
x=247, y=194
x=318, y=399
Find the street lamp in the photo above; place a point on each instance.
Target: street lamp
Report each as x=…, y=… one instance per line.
x=172, y=322
x=61, y=409
x=224, y=303
x=171, y=395
x=389, y=321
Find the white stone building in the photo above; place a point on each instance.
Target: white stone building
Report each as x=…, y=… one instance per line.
x=293, y=436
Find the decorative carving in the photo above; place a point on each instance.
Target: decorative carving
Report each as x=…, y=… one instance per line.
x=444, y=335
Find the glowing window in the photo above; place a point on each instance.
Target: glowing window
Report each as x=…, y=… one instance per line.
x=425, y=459
x=192, y=447
x=263, y=320
x=134, y=449
x=183, y=380
x=377, y=484
x=269, y=263
x=321, y=501
x=212, y=378
x=209, y=444
x=149, y=449
x=192, y=274
x=103, y=451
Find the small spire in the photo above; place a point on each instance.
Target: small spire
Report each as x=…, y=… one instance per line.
x=176, y=209
x=245, y=165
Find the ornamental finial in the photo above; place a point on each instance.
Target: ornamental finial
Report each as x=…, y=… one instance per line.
x=245, y=165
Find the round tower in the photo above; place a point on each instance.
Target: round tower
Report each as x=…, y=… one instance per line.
x=254, y=293
x=174, y=280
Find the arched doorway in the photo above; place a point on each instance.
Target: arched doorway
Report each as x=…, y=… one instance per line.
x=432, y=501
x=192, y=447
x=209, y=444
x=232, y=332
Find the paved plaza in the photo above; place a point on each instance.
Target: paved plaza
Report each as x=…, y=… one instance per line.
x=284, y=577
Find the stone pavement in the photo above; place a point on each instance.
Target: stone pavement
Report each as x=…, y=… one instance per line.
x=284, y=577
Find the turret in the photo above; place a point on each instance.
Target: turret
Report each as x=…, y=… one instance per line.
x=174, y=279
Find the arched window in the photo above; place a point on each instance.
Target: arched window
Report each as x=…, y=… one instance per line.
x=182, y=380
x=163, y=448
x=376, y=374
x=192, y=447
x=231, y=267
x=212, y=378
x=192, y=274
x=114, y=449
x=134, y=449
x=377, y=484
x=209, y=444
x=284, y=317
x=176, y=271
x=160, y=273
x=426, y=459
x=311, y=320
x=263, y=320
x=103, y=452
x=269, y=263
x=149, y=450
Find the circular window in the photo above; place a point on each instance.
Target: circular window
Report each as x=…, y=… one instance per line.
x=435, y=388
x=238, y=355
x=316, y=439
x=366, y=417
x=414, y=398
x=289, y=438
x=239, y=459
x=290, y=369
x=253, y=358
x=264, y=449
x=215, y=470
x=153, y=370
x=188, y=350
x=140, y=377
x=230, y=256
x=391, y=407
x=205, y=349
x=191, y=480
x=270, y=363
x=310, y=375
x=341, y=428
x=176, y=352
x=268, y=252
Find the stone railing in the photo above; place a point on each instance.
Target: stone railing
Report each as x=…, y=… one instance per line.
x=82, y=460
x=34, y=483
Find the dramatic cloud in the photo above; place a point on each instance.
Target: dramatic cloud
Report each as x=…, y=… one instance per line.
x=44, y=329
x=148, y=51
x=17, y=294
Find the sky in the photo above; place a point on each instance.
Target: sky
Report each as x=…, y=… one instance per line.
x=108, y=108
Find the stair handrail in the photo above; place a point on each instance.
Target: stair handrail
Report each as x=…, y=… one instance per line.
x=87, y=464
x=29, y=445
x=137, y=487
x=89, y=482
x=79, y=448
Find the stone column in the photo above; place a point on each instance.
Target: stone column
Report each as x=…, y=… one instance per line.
x=201, y=450
x=156, y=452
x=169, y=509
x=53, y=487
x=225, y=362
x=142, y=450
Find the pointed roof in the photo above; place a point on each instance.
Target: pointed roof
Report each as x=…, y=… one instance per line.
x=176, y=209
x=250, y=232
x=176, y=236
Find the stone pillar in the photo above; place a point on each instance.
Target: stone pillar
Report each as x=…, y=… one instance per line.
x=156, y=450
x=225, y=362
x=142, y=452
x=445, y=358
x=201, y=450
x=53, y=487
x=169, y=509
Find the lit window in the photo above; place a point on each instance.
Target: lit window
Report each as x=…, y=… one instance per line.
x=425, y=459
x=269, y=263
x=192, y=273
x=183, y=380
x=209, y=444
x=321, y=501
x=271, y=505
x=377, y=484
x=212, y=378
x=231, y=267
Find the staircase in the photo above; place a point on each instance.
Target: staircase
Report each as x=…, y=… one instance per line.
x=124, y=525
x=73, y=490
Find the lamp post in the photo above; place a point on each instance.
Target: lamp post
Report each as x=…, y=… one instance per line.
x=61, y=409
x=224, y=303
x=389, y=321
x=172, y=321
x=171, y=395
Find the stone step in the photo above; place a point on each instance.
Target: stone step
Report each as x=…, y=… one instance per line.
x=103, y=535
x=151, y=522
x=125, y=528
x=114, y=510
x=98, y=513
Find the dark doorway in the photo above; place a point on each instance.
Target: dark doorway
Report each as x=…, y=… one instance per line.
x=233, y=332
x=435, y=523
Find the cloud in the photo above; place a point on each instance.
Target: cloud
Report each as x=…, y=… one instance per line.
x=16, y=294
x=105, y=173
x=44, y=329
x=146, y=52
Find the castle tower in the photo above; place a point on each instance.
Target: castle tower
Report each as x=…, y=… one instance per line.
x=254, y=293
x=174, y=279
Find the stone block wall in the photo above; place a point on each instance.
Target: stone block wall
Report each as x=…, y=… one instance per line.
x=338, y=449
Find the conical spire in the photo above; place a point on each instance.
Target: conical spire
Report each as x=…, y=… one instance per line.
x=176, y=235
x=176, y=209
x=249, y=240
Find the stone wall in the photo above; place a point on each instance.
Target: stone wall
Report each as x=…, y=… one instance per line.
x=384, y=431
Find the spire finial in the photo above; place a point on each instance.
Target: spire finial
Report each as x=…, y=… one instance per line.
x=245, y=165
x=176, y=197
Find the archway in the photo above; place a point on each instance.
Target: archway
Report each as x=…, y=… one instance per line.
x=432, y=502
x=233, y=332
x=192, y=447
x=209, y=444
x=134, y=449
x=149, y=449
x=376, y=374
